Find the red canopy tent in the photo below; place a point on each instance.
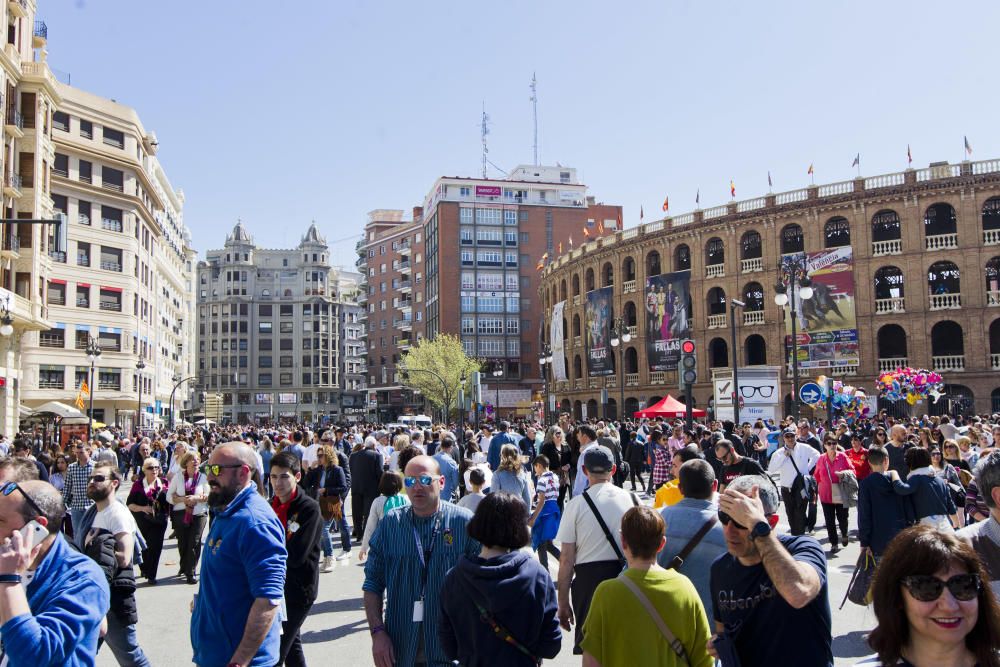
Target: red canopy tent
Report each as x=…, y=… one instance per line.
x=668, y=407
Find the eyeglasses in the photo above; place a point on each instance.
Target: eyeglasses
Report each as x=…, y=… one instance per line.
x=152, y=467
x=11, y=487
x=764, y=391
x=98, y=479
x=725, y=520
x=425, y=480
x=927, y=588
x=215, y=469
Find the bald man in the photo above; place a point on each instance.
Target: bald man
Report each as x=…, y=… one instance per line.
x=55, y=618
x=242, y=565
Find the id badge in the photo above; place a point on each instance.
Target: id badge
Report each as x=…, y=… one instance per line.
x=418, y=611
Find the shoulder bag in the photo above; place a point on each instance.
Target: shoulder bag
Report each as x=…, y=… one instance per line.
x=604, y=526
x=671, y=638
x=678, y=560
x=808, y=489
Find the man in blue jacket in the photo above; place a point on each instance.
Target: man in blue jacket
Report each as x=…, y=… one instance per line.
x=242, y=568
x=502, y=438
x=881, y=512
x=52, y=598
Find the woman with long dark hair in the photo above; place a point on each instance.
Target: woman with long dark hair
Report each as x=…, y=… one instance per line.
x=933, y=604
x=147, y=500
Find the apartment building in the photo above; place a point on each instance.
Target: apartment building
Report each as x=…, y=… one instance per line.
x=269, y=331
x=121, y=270
x=353, y=397
x=472, y=250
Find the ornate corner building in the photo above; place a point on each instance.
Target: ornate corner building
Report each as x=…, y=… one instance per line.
x=924, y=250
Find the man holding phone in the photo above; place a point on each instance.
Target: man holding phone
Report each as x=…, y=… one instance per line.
x=52, y=598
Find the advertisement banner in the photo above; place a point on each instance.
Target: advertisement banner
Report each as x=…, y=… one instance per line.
x=668, y=318
x=598, y=315
x=558, y=343
x=827, y=326
x=487, y=190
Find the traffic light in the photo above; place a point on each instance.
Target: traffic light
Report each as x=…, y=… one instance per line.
x=688, y=366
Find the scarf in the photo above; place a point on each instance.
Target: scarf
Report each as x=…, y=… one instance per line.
x=926, y=470
x=190, y=484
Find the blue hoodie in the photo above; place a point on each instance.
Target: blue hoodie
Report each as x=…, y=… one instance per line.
x=520, y=595
x=243, y=559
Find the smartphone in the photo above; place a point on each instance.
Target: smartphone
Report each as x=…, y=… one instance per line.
x=33, y=533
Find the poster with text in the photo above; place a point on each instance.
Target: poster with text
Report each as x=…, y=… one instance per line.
x=556, y=338
x=598, y=314
x=667, y=309
x=827, y=333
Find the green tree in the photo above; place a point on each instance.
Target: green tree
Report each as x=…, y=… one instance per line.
x=443, y=356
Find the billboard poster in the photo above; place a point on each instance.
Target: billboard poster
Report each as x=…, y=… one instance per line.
x=556, y=338
x=668, y=318
x=827, y=326
x=598, y=316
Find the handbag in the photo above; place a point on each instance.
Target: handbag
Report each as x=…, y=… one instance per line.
x=859, y=591
x=671, y=638
x=809, y=486
x=331, y=508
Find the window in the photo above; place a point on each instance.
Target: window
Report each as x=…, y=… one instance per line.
x=86, y=129
x=465, y=191
x=264, y=343
x=111, y=219
x=468, y=304
x=110, y=341
x=51, y=377
x=510, y=217
x=109, y=378
x=488, y=258
x=82, y=296
x=490, y=304
x=86, y=171
x=466, y=258
x=264, y=327
x=511, y=258
x=510, y=238
x=286, y=344
x=113, y=137
x=523, y=237
x=468, y=325
x=52, y=338
x=469, y=346
x=465, y=216
x=264, y=310
x=488, y=237
x=57, y=294
x=513, y=304
x=465, y=236
x=264, y=362
x=490, y=325
x=513, y=347
x=513, y=325
x=286, y=327
x=285, y=379
x=111, y=259
x=82, y=253
x=112, y=179
x=468, y=280
x=264, y=379
x=60, y=120
x=489, y=281
x=491, y=347
x=286, y=310
x=488, y=216
x=61, y=165
x=285, y=361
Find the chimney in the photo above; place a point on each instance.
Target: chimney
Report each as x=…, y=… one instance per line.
x=418, y=213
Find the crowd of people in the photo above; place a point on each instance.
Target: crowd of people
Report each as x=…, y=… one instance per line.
x=664, y=540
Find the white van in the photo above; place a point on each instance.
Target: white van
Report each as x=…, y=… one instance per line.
x=416, y=421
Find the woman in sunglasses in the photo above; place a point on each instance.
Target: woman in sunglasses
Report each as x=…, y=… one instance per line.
x=147, y=500
x=931, y=604
x=188, y=492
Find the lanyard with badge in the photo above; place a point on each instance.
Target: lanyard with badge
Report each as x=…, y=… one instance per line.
x=425, y=560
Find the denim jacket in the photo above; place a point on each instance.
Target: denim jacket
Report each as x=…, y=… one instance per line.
x=684, y=520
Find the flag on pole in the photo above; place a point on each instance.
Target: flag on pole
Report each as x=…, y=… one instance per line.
x=732, y=188
x=83, y=391
x=810, y=170
x=666, y=204
x=620, y=225
x=570, y=240
x=968, y=148
x=770, y=183
x=541, y=265
x=600, y=227
x=857, y=160
x=560, y=247
x=641, y=214
x=697, y=197
x=909, y=156
x=586, y=233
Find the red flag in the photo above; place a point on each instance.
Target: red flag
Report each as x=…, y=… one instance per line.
x=586, y=233
x=619, y=220
x=600, y=227
x=732, y=187
x=666, y=204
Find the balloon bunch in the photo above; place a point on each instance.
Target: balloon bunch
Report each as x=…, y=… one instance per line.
x=910, y=384
x=851, y=401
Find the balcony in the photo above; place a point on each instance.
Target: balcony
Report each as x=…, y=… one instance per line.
x=891, y=247
x=39, y=35
x=576, y=299
x=12, y=185
x=995, y=361
x=111, y=306
x=406, y=305
x=594, y=383
x=658, y=377
x=631, y=379
x=945, y=301
x=50, y=384
x=890, y=305
x=752, y=265
x=111, y=266
x=717, y=321
x=632, y=330
x=14, y=123
x=404, y=325
x=46, y=339
x=405, y=249
x=993, y=298
x=110, y=385
x=629, y=286
x=715, y=270
x=611, y=382
x=405, y=287
x=948, y=363
x=18, y=8
x=562, y=385
x=10, y=245
x=991, y=237
x=890, y=364
x=941, y=242
x=112, y=225
x=751, y=317
x=405, y=267
x=111, y=185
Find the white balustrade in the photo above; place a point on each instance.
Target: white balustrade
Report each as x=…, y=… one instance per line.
x=716, y=321
x=629, y=286
x=842, y=188
x=890, y=364
x=751, y=204
x=658, y=377
x=751, y=265
x=884, y=181
x=714, y=212
x=631, y=379
x=751, y=317
x=993, y=298
x=840, y=371
x=941, y=241
x=683, y=219
x=791, y=197
x=991, y=237
x=651, y=227
x=578, y=383
x=577, y=341
x=923, y=175
x=890, y=247
x=715, y=270
x=949, y=362
x=945, y=301
x=611, y=382
x=995, y=361
x=632, y=330
x=986, y=166
x=891, y=305
x=630, y=233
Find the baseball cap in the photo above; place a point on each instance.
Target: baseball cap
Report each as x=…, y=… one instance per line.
x=598, y=458
x=790, y=431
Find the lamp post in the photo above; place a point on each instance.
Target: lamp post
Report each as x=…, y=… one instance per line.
x=545, y=363
x=444, y=386
x=620, y=336
x=792, y=272
x=460, y=430
x=733, y=303
x=497, y=373
x=93, y=354
x=177, y=383
x=139, y=365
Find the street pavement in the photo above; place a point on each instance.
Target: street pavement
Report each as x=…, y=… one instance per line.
x=336, y=627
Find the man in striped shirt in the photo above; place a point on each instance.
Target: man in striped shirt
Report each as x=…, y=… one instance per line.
x=75, y=489
x=412, y=550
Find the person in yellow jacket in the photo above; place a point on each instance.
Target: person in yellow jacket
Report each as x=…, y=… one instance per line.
x=669, y=494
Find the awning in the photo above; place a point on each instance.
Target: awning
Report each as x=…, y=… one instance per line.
x=57, y=281
x=87, y=285
x=83, y=327
x=668, y=407
x=111, y=289
x=25, y=411
x=60, y=410
x=59, y=325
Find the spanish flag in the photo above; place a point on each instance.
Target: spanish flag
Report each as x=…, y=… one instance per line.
x=810, y=170
x=84, y=391
x=732, y=187
x=600, y=226
x=586, y=233
x=666, y=204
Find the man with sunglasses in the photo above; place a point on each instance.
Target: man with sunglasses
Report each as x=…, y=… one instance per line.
x=410, y=553
x=766, y=582
x=243, y=567
x=792, y=462
x=52, y=597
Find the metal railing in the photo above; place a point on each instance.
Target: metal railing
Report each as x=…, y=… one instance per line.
x=114, y=306
x=15, y=118
x=11, y=243
x=117, y=187
x=112, y=225
x=14, y=180
x=111, y=266
x=50, y=384
x=41, y=30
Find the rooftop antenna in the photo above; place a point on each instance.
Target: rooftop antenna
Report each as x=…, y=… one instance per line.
x=534, y=106
x=484, y=130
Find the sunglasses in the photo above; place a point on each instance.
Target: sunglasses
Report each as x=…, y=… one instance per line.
x=215, y=469
x=725, y=520
x=98, y=479
x=927, y=588
x=11, y=487
x=425, y=480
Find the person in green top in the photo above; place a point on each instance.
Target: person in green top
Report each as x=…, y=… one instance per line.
x=620, y=629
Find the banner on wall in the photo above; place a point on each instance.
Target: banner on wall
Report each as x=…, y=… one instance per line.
x=827, y=325
x=557, y=341
x=668, y=318
x=598, y=314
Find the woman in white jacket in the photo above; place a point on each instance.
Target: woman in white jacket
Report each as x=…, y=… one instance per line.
x=188, y=495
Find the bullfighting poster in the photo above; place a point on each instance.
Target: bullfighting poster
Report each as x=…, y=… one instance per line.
x=598, y=314
x=556, y=336
x=668, y=318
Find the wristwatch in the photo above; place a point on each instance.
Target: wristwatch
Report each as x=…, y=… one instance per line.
x=760, y=529
x=10, y=578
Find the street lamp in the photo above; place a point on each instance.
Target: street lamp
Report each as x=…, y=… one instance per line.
x=6, y=321
x=545, y=363
x=733, y=303
x=93, y=354
x=497, y=373
x=139, y=365
x=793, y=271
x=620, y=336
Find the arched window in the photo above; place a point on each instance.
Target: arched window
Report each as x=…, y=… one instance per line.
x=628, y=268
x=993, y=281
x=994, y=341
x=716, y=301
x=577, y=367
x=653, y=400
x=791, y=239
x=631, y=360
x=578, y=410
x=756, y=350
x=991, y=219
x=836, y=232
x=891, y=348
x=592, y=410
x=715, y=252
x=751, y=246
x=944, y=278
x=940, y=219
x=753, y=297
x=588, y=280
x=653, y=264
x=576, y=325
x=607, y=275
x=576, y=284
x=631, y=406
x=630, y=314
x=889, y=283
x=886, y=226
x=562, y=289
x=718, y=353
x=612, y=408
x=947, y=341
x=682, y=258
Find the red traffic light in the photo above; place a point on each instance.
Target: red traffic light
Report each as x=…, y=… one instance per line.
x=687, y=347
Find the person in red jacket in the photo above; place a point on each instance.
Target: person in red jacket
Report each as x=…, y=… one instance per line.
x=829, y=468
x=859, y=457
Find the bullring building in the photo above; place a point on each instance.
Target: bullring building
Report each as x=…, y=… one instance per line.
x=905, y=270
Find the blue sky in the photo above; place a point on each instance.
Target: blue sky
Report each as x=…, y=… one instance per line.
x=284, y=112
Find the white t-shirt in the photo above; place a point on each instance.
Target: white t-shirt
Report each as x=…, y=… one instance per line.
x=115, y=518
x=309, y=457
x=580, y=526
